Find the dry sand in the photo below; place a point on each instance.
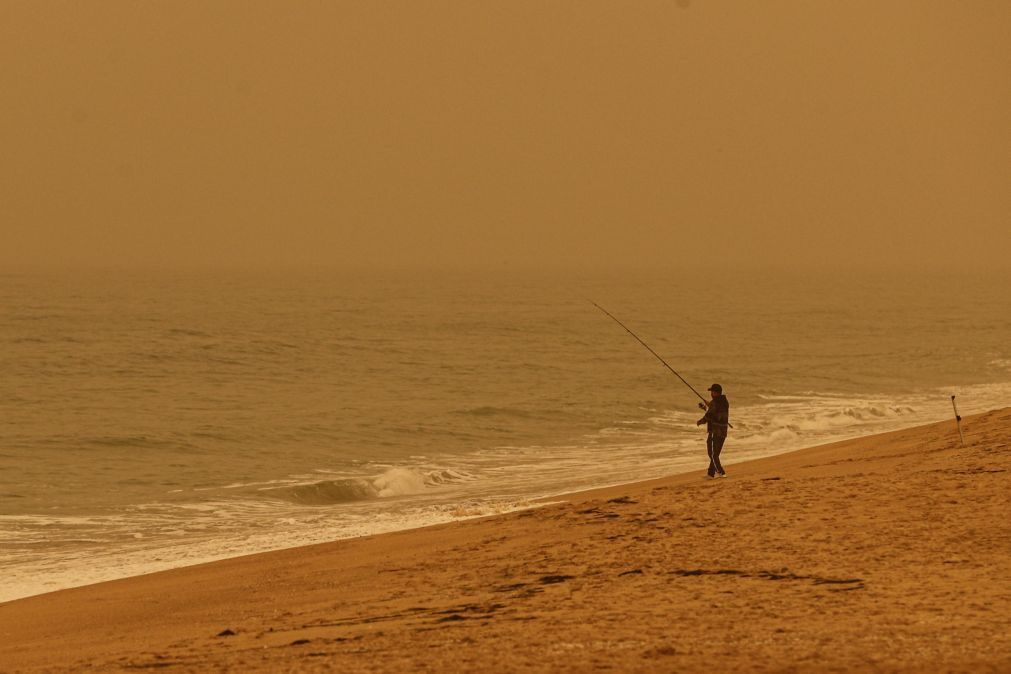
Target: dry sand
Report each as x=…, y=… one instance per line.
x=886, y=553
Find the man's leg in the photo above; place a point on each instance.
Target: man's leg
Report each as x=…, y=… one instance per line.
x=712, y=461
x=714, y=454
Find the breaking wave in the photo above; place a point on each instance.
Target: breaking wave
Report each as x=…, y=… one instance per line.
x=793, y=421
x=393, y=482
x=1001, y=363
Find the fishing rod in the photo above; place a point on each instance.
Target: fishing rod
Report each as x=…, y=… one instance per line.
x=705, y=403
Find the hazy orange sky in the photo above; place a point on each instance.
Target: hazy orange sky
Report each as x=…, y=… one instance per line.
x=587, y=132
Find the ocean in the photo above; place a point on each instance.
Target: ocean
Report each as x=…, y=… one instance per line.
x=150, y=420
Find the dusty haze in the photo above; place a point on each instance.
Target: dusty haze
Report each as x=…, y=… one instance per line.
x=542, y=133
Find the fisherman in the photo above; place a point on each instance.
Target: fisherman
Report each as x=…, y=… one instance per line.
x=717, y=420
x=717, y=414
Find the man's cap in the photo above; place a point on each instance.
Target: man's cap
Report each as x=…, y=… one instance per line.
x=715, y=387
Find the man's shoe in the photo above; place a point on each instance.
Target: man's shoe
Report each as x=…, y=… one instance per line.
x=723, y=474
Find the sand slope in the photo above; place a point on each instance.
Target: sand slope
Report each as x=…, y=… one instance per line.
x=886, y=553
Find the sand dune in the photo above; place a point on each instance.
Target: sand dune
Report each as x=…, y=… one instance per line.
x=890, y=553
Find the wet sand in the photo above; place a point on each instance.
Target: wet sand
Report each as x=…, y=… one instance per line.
x=889, y=553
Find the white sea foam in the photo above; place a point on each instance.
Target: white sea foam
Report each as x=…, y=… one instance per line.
x=227, y=535
x=392, y=482
x=398, y=482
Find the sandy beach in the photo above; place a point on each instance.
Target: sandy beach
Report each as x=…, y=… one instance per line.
x=888, y=553
x=318, y=320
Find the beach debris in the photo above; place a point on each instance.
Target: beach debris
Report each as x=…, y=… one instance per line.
x=631, y=572
x=226, y=633
x=299, y=642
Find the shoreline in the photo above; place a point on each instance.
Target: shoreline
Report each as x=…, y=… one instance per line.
x=811, y=546
x=132, y=561
x=138, y=569
x=45, y=555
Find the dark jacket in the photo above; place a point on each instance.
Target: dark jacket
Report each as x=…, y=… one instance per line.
x=717, y=416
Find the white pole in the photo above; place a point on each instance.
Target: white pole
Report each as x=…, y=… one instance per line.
x=958, y=422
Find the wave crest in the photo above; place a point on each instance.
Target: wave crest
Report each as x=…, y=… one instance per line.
x=393, y=482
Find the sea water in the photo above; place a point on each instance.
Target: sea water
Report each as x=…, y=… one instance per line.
x=159, y=419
